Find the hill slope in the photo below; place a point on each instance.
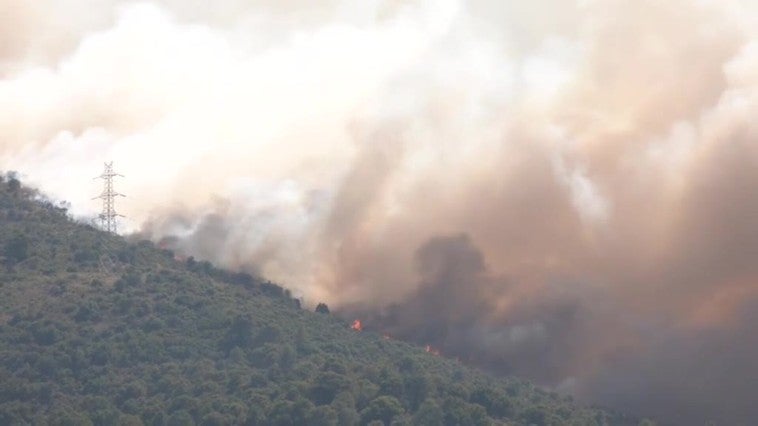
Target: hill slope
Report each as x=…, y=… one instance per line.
x=97, y=330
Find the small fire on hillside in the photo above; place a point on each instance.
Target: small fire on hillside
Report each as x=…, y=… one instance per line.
x=357, y=326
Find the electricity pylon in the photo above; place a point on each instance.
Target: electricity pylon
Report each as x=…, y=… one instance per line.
x=108, y=217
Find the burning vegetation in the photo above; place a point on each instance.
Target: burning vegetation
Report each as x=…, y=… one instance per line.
x=356, y=325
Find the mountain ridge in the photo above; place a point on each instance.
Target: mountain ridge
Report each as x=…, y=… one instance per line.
x=95, y=329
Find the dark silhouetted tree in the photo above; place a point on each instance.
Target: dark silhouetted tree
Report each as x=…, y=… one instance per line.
x=240, y=334
x=429, y=414
x=496, y=403
x=326, y=386
x=14, y=185
x=17, y=248
x=322, y=308
x=383, y=408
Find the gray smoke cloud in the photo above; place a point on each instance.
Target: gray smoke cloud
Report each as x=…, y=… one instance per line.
x=561, y=190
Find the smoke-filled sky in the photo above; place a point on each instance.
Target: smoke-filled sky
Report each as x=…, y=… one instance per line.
x=563, y=190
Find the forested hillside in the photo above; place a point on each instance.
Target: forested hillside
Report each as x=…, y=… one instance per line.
x=98, y=330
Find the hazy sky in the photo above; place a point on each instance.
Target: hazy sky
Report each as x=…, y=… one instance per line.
x=564, y=190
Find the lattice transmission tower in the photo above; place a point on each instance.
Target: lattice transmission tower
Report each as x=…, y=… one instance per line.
x=108, y=217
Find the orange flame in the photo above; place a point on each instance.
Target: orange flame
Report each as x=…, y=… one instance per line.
x=357, y=326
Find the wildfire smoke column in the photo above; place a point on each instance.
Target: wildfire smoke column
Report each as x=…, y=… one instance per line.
x=555, y=189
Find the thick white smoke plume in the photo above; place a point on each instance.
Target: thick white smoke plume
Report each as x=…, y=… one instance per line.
x=558, y=189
